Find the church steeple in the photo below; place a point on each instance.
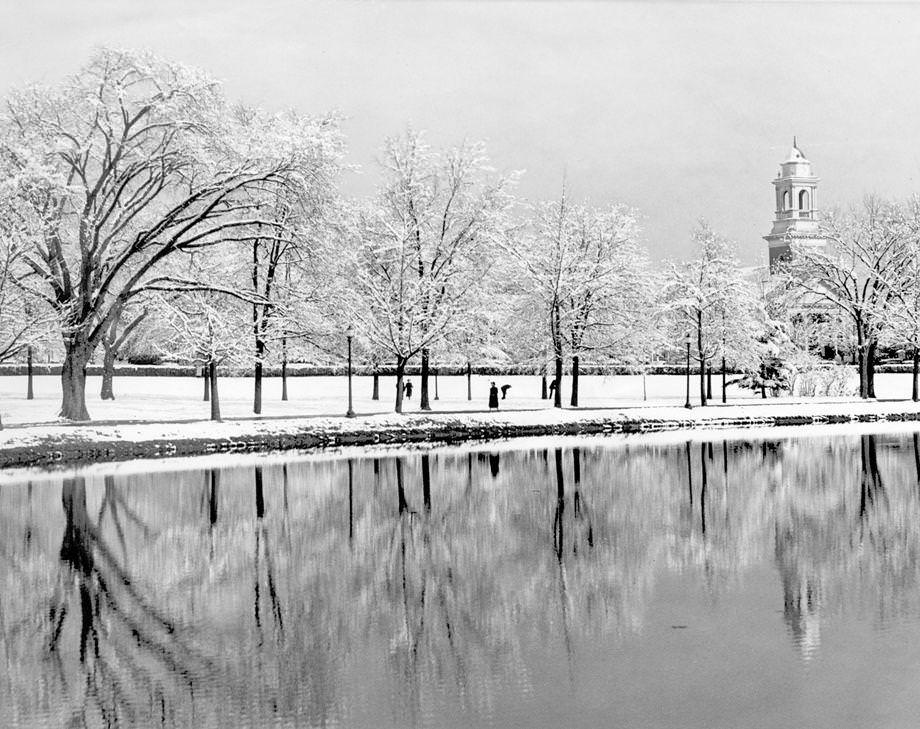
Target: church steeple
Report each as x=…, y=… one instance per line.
x=796, y=205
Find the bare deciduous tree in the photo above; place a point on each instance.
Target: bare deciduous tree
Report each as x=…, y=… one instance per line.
x=139, y=159
x=856, y=272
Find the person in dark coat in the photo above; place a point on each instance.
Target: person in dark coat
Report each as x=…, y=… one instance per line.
x=493, y=396
x=504, y=389
x=552, y=388
x=407, y=389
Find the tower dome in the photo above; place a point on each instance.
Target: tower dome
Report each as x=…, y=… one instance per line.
x=796, y=163
x=795, y=154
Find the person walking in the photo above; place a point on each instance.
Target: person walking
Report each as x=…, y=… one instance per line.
x=407, y=389
x=493, y=396
x=504, y=389
x=552, y=389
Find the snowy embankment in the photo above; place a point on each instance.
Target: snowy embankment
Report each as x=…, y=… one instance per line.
x=41, y=445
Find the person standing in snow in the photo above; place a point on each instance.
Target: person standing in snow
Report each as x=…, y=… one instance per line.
x=493, y=396
x=407, y=389
x=504, y=389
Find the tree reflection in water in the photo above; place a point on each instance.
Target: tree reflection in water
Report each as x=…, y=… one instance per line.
x=429, y=584
x=129, y=652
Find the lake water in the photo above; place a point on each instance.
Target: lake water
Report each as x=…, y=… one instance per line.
x=560, y=583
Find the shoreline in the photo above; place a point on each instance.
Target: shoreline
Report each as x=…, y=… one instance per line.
x=86, y=443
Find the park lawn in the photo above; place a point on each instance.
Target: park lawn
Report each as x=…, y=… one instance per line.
x=176, y=399
x=180, y=398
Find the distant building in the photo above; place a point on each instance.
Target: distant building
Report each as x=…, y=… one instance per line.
x=796, y=207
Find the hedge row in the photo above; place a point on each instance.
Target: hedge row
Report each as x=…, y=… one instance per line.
x=298, y=370
x=302, y=370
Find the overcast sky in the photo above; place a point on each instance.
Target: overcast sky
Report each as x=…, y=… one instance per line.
x=681, y=110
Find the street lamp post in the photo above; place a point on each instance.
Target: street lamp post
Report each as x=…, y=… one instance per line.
x=687, y=340
x=436, y=383
x=349, y=333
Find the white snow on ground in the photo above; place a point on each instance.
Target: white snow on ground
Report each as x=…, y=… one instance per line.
x=46, y=435
x=657, y=438
x=180, y=398
x=317, y=403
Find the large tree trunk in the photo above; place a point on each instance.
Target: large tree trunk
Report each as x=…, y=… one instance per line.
x=30, y=392
x=215, y=400
x=863, y=375
x=400, y=373
x=375, y=393
x=73, y=381
x=284, y=363
x=573, y=399
x=709, y=381
x=108, y=373
x=557, y=393
x=862, y=361
x=915, y=373
x=206, y=379
x=423, y=403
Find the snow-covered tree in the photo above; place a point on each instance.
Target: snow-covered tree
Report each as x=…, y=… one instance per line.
x=25, y=320
x=903, y=312
x=605, y=283
x=579, y=268
x=212, y=326
x=647, y=335
x=421, y=248
x=856, y=273
x=140, y=159
x=291, y=242
x=710, y=300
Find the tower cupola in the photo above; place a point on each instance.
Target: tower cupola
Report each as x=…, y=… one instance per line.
x=795, y=189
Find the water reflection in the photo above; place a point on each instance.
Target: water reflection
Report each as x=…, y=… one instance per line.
x=433, y=589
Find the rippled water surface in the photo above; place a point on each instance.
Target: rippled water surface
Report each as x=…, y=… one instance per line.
x=597, y=583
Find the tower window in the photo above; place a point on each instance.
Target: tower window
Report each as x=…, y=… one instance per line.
x=803, y=200
x=786, y=204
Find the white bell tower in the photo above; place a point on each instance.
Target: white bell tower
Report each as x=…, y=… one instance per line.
x=796, y=206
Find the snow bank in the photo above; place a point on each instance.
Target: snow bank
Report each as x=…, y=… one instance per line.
x=47, y=445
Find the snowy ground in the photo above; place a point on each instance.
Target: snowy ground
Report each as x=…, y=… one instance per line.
x=53, y=443
x=157, y=416
x=175, y=399
x=659, y=438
